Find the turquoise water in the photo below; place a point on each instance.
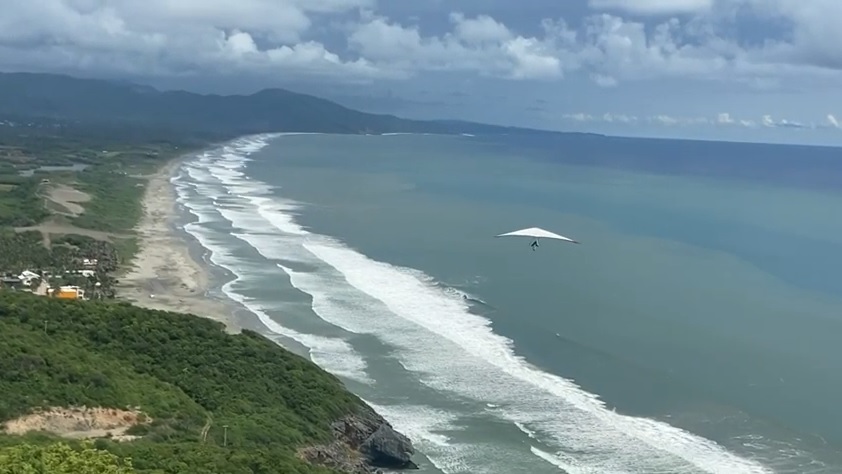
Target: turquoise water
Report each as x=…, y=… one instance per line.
x=702, y=308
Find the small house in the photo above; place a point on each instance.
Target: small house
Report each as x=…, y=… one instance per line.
x=67, y=292
x=28, y=275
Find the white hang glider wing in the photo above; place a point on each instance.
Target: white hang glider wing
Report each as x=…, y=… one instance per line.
x=536, y=233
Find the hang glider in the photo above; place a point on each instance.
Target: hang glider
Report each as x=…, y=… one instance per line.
x=537, y=233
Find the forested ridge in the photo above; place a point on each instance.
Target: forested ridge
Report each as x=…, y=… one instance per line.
x=184, y=373
x=92, y=101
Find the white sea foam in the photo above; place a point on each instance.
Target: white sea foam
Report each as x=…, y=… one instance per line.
x=333, y=353
x=524, y=429
x=423, y=425
x=449, y=348
x=566, y=466
x=456, y=351
x=451, y=291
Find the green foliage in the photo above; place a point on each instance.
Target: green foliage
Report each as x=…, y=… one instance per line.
x=126, y=249
x=61, y=458
x=49, y=142
x=26, y=251
x=55, y=375
x=181, y=370
x=19, y=202
x=116, y=199
x=109, y=255
x=116, y=164
x=23, y=251
x=114, y=158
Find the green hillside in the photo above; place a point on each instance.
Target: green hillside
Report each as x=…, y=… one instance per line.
x=185, y=379
x=75, y=100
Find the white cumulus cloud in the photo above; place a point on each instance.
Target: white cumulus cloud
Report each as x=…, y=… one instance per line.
x=164, y=37
x=478, y=44
x=617, y=42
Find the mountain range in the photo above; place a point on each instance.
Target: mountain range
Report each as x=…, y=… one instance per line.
x=91, y=101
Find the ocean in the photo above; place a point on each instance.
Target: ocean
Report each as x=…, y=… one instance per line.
x=696, y=329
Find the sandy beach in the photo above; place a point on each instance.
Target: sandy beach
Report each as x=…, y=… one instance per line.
x=164, y=275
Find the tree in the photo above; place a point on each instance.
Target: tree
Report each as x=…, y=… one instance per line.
x=60, y=458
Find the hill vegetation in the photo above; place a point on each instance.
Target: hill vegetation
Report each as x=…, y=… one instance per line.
x=204, y=401
x=69, y=99
x=60, y=458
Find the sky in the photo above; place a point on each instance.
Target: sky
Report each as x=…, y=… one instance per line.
x=756, y=70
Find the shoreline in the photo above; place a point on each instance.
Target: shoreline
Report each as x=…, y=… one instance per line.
x=163, y=274
x=166, y=274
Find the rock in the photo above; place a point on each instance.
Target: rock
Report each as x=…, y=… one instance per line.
x=389, y=449
x=337, y=456
x=363, y=443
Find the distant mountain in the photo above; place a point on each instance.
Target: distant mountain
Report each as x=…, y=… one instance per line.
x=91, y=101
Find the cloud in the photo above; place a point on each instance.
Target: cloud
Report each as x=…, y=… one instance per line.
x=722, y=119
x=479, y=44
x=480, y=30
x=653, y=7
x=158, y=37
x=612, y=49
x=619, y=41
x=813, y=27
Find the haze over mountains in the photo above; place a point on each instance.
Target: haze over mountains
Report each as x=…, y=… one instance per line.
x=92, y=101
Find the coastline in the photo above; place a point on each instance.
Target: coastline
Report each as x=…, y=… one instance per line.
x=164, y=275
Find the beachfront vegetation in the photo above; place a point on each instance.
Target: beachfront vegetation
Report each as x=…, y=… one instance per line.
x=60, y=262
x=109, y=163
x=116, y=199
x=183, y=372
x=110, y=168
x=25, y=250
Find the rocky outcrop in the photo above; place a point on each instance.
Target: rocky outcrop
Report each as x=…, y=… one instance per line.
x=363, y=443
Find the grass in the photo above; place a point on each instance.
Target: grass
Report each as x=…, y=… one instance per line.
x=116, y=200
x=117, y=160
x=20, y=204
x=127, y=248
x=23, y=251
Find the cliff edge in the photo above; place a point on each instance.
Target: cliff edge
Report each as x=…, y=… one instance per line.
x=363, y=443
